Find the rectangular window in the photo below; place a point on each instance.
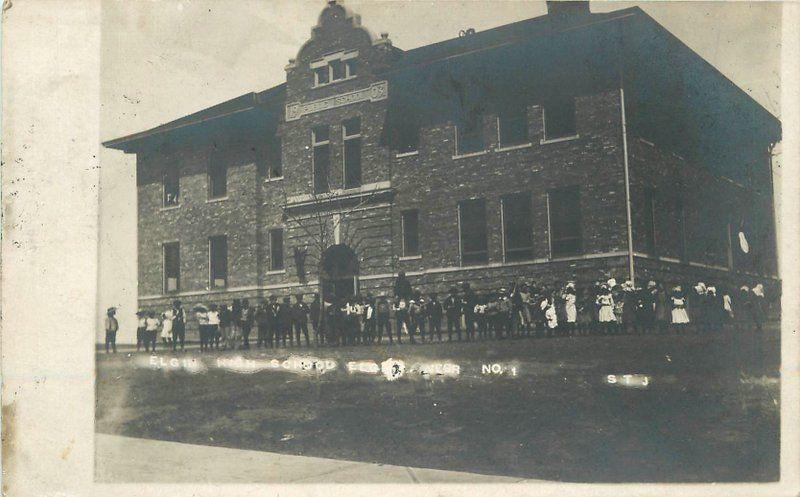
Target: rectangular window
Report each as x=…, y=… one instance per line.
x=351, y=131
x=217, y=179
x=472, y=231
x=218, y=261
x=649, y=213
x=322, y=158
x=469, y=135
x=274, y=159
x=410, y=229
x=321, y=76
x=517, y=226
x=172, y=186
x=338, y=70
x=172, y=267
x=559, y=118
x=564, y=209
x=512, y=127
x=407, y=138
x=352, y=68
x=276, y=249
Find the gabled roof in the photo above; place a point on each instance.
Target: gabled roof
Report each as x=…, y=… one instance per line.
x=263, y=101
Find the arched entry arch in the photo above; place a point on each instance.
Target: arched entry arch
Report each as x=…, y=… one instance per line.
x=338, y=275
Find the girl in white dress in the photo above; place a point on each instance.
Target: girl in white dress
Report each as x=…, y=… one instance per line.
x=680, y=319
x=166, y=326
x=606, y=315
x=570, y=307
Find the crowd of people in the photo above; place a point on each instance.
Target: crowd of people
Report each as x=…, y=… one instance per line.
x=521, y=309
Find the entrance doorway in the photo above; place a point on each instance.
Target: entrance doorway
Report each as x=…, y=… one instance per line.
x=338, y=273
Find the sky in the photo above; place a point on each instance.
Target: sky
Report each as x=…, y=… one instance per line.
x=163, y=59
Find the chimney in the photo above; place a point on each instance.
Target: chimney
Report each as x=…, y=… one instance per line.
x=567, y=8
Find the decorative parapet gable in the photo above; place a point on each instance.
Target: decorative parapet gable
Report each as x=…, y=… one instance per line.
x=373, y=93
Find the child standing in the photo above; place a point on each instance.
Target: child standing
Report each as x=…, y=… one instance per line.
x=151, y=331
x=680, y=319
x=167, y=318
x=111, y=329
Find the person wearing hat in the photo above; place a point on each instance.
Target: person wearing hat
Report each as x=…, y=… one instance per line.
x=262, y=324
x=178, y=325
x=452, y=309
x=369, y=319
x=680, y=318
x=300, y=312
x=151, y=331
x=111, y=326
x=317, y=320
x=646, y=307
x=284, y=320
x=759, y=307
x=246, y=318
x=382, y=318
x=141, y=328
x=225, y=328
x=570, y=298
x=213, y=327
x=400, y=308
x=606, y=316
x=435, y=312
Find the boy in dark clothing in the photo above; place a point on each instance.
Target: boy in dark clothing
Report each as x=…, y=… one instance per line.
x=300, y=312
x=382, y=313
x=111, y=329
x=246, y=319
x=452, y=308
x=435, y=312
x=262, y=324
x=285, y=321
x=317, y=320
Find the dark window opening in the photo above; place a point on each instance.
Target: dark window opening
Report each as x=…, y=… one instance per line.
x=352, y=153
x=407, y=138
x=649, y=213
x=352, y=68
x=217, y=179
x=410, y=229
x=513, y=127
x=321, y=75
x=564, y=208
x=322, y=159
x=218, y=261
x=517, y=226
x=469, y=135
x=559, y=118
x=276, y=249
x=472, y=227
x=172, y=186
x=337, y=70
x=172, y=267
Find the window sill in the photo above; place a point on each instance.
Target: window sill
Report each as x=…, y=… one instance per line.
x=271, y=180
x=276, y=271
x=406, y=154
x=470, y=154
x=514, y=147
x=410, y=257
x=558, y=140
x=169, y=208
x=329, y=83
x=217, y=199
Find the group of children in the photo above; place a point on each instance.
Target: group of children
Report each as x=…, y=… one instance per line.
x=518, y=310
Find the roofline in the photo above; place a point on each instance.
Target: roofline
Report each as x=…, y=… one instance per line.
x=253, y=101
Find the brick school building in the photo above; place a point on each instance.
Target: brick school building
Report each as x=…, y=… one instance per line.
x=570, y=146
